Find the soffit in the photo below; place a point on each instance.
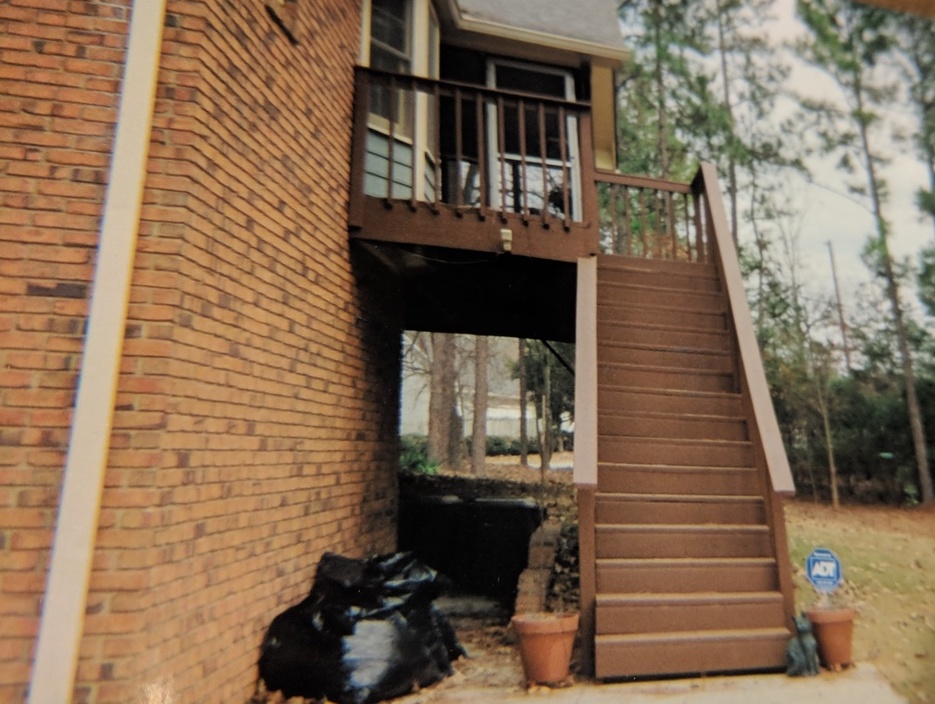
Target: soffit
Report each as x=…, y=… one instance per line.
x=583, y=27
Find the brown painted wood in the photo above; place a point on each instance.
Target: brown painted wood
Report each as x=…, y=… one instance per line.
x=614, y=422
x=669, y=401
x=685, y=480
x=587, y=574
x=689, y=653
x=613, y=509
x=675, y=452
x=610, y=332
x=400, y=225
x=645, y=376
x=684, y=358
x=700, y=611
x=619, y=293
x=642, y=182
x=684, y=575
x=644, y=540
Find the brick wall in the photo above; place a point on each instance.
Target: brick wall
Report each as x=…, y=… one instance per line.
x=256, y=412
x=59, y=75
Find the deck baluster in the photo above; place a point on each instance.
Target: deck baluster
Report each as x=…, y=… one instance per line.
x=563, y=155
x=391, y=143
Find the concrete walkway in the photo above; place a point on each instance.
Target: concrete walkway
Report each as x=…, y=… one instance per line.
x=858, y=685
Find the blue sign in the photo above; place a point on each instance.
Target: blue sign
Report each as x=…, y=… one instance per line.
x=823, y=569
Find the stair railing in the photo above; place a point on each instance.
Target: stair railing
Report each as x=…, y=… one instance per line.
x=766, y=439
x=651, y=218
x=752, y=376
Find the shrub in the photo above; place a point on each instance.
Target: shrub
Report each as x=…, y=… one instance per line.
x=413, y=455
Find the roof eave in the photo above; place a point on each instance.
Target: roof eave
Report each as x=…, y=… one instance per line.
x=450, y=11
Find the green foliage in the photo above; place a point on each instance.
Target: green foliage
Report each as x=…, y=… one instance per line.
x=562, y=399
x=926, y=279
x=413, y=455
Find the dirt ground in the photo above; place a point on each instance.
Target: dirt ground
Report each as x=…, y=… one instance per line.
x=888, y=557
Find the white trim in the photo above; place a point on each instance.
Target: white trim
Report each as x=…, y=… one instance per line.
x=585, y=472
x=571, y=134
x=62, y=620
x=365, y=19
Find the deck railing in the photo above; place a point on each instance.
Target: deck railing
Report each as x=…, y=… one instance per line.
x=475, y=150
x=651, y=218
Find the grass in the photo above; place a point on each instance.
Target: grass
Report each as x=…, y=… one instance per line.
x=888, y=559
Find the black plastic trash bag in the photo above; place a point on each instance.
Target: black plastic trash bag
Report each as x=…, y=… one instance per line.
x=368, y=631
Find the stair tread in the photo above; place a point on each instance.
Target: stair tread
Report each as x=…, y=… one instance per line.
x=691, y=498
x=642, y=466
x=650, y=288
x=609, y=312
x=707, y=442
x=648, y=390
x=670, y=415
x=681, y=527
x=699, y=636
x=655, y=347
x=660, y=326
x=685, y=561
x=686, y=598
x=667, y=369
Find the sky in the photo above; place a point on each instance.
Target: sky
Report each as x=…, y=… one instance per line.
x=829, y=216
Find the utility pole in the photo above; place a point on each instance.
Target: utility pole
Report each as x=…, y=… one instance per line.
x=837, y=295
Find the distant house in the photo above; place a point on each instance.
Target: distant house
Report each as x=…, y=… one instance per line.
x=217, y=220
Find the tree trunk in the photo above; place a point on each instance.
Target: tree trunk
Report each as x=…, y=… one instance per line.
x=902, y=338
x=731, y=158
x=663, y=142
x=545, y=444
x=479, y=425
x=523, y=428
x=443, y=413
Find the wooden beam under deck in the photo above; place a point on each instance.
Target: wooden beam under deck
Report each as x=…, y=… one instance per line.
x=468, y=229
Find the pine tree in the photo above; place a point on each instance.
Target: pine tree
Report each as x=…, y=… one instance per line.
x=847, y=41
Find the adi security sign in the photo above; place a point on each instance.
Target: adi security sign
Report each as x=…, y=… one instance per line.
x=823, y=569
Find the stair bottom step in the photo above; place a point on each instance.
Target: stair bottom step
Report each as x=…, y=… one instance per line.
x=684, y=653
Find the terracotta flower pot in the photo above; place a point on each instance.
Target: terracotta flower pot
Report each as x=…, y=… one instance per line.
x=834, y=631
x=545, y=643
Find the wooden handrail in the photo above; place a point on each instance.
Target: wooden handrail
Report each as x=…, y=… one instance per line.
x=656, y=184
x=427, y=85
x=751, y=363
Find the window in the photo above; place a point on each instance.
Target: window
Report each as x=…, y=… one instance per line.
x=390, y=50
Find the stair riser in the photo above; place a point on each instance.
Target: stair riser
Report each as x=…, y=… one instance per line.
x=648, y=402
x=610, y=511
x=677, y=380
x=617, y=333
x=669, y=658
x=705, y=281
x=634, y=451
x=694, y=483
x=667, y=578
x=659, y=618
x=624, y=543
x=675, y=317
x=704, y=360
x=685, y=428
x=612, y=294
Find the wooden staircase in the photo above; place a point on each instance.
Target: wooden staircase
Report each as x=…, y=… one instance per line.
x=686, y=563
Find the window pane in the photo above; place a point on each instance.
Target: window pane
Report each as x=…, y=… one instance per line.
x=388, y=24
